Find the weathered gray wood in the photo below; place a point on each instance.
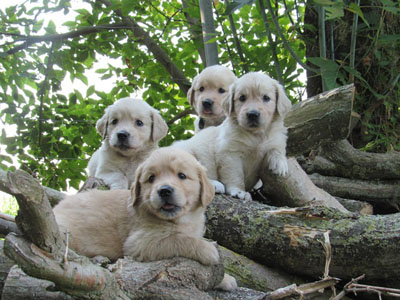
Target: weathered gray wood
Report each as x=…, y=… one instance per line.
x=23, y=287
x=296, y=189
x=323, y=118
x=35, y=217
x=291, y=241
x=342, y=160
x=356, y=206
x=381, y=193
x=5, y=265
x=252, y=275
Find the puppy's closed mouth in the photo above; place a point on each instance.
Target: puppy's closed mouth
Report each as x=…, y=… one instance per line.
x=170, y=208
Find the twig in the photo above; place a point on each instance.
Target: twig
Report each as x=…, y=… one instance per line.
x=182, y=114
x=30, y=40
x=285, y=42
x=270, y=40
x=302, y=289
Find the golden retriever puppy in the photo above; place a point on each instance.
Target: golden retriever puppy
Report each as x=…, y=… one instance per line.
x=161, y=217
x=206, y=95
x=233, y=151
x=131, y=129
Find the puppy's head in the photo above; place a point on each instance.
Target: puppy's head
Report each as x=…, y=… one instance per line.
x=208, y=90
x=130, y=125
x=255, y=100
x=171, y=184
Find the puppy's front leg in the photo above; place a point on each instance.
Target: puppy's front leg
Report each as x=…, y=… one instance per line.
x=230, y=173
x=114, y=180
x=277, y=162
x=147, y=247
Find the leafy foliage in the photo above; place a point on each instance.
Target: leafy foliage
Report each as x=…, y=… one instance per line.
x=55, y=128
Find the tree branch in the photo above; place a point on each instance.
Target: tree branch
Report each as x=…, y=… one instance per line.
x=30, y=40
x=285, y=42
x=160, y=55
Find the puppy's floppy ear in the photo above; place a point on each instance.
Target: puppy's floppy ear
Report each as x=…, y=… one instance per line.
x=283, y=103
x=158, y=126
x=207, y=191
x=228, y=104
x=136, y=187
x=191, y=92
x=102, y=124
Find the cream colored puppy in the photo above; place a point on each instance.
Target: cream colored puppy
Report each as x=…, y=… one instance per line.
x=161, y=217
x=233, y=151
x=206, y=95
x=131, y=129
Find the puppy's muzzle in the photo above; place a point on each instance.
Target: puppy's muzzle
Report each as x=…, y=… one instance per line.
x=253, y=118
x=207, y=105
x=166, y=194
x=123, y=139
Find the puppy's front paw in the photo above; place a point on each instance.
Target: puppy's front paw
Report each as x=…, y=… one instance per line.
x=240, y=194
x=207, y=253
x=218, y=186
x=227, y=284
x=278, y=164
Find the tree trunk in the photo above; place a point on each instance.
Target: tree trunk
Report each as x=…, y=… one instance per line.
x=320, y=119
x=383, y=193
x=290, y=239
x=207, y=23
x=342, y=160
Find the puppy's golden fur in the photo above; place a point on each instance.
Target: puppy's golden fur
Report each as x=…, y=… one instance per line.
x=131, y=129
x=161, y=217
x=206, y=95
x=253, y=130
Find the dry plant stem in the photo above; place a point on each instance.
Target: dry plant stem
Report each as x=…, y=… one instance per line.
x=302, y=289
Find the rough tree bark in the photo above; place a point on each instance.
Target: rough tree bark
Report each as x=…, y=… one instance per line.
x=342, y=160
x=323, y=118
x=290, y=239
x=383, y=193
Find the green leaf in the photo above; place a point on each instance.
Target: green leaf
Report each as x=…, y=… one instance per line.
x=235, y=5
x=354, y=8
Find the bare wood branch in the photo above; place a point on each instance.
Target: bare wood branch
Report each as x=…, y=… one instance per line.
x=30, y=40
x=35, y=217
x=78, y=278
x=342, y=160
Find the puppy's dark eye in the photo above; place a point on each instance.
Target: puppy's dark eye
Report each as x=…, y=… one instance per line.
x=114, y=122
x=221, y=90
x=181, y=175
x=151, y=178
x=242, y=98
x=139, y=123
x=266, y=98
x=201, y=88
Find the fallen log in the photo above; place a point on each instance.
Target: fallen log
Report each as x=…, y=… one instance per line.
x=382, y=193
x=340, y=159
x=296, y=189
x=290, y=239
x=320, y=119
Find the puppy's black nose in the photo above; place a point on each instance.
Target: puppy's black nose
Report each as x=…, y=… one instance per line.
x=123, y=135
x=165, y=191
x=253, y=115
x=207, y=103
